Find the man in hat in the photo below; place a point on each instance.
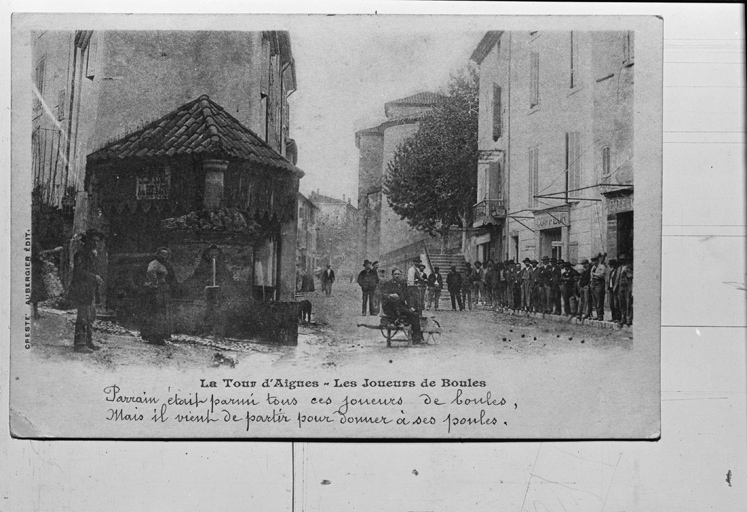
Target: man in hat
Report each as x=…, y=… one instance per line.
x=478, y=288
x=377, y=301
x=328, y=277
x=454, y=285
x=584, y=284
x=625, y=290
x=526, y=285
x=435, y=285
x=538, y=289
x=367, y=280
x=567, y=285
x=611, y=290
x=414, y=276
x=598, y=282
x=394, y=304
x=557, y=266
x=422, y=284
x=546, y=282
x=84, y=290
x=467, y=284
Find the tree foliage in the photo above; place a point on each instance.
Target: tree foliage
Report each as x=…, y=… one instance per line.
x=432, y=179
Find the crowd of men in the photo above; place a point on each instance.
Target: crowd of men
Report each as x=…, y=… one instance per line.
x=550, y=286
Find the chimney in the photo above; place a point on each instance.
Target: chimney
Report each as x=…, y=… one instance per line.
x=343, y=197
x=214, y=173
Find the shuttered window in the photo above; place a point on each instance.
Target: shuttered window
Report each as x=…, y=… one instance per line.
x=497, y=113
x=91, y=55
x=533, y=177
x=264, y=85
x=606, y=161
x=39, y=76
x=573, y=159
x=534, y=80
x=628, y=47
x=61, y=105
x=574, y=60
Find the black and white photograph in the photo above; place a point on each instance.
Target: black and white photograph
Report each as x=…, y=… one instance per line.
x=336, y=226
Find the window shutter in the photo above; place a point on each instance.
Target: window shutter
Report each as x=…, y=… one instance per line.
x=534, y=80
x=533, y=176
x=91, y=64
x=61, y=105
x=497, y=112
x=39, y=82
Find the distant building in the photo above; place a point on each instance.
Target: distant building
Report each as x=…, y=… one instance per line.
x=384, y=236
x=306, y=242
x=555, y=171
x=338, y=242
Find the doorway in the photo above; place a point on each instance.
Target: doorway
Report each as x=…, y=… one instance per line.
x=625, y=234
x=551, y=243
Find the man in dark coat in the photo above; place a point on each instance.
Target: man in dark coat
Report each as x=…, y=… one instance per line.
x=435, y=285
x=368, y=280
x=394, y=304
x=567, y=285
x=454, y=285
x=467, y=276
x=83, y=290
x=328, y=277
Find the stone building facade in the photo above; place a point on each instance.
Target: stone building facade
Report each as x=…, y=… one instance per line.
x=306, y=243
x=338, y=241
x=383, y=233
x=555, y=172
x=96, y=87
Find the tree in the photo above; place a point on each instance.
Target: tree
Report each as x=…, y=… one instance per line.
x=431, y=180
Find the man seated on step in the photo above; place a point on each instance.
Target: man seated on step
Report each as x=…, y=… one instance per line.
x=394, y=304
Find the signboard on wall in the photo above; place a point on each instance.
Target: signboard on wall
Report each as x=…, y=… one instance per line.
x=620, y=204
x=551, y=220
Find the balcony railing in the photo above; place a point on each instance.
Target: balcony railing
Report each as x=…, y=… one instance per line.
x=489, y=210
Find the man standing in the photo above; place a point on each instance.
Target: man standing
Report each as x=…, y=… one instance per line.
x=567, y=285
x=435, y=285
x=598, y=282
x=328, y=277
x=584, y=283
x=454, y=284
x=526, y=285
x=83, y=290
x=625, y=290
x=478, y=284
x=413, y=289
x=367, y=280
x=422, y=284
x=467, y=285
x=611, y=287
x=375, y=268
x=546, y=280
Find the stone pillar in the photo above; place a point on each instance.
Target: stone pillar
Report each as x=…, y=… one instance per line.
x=214, y=172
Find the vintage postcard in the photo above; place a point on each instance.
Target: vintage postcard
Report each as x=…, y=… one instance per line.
x=353, y=226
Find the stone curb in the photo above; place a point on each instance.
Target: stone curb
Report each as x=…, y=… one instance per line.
x=602, y=324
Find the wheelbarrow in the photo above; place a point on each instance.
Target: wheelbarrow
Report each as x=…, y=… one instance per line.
x=394, y=329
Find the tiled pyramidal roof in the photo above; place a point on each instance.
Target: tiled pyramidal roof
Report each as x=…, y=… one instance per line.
x=199, y=127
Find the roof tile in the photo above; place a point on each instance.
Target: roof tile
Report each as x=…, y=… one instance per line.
x=200, y=126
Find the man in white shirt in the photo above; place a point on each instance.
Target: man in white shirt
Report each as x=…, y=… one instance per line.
x=598, y=280
x=413, y=291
